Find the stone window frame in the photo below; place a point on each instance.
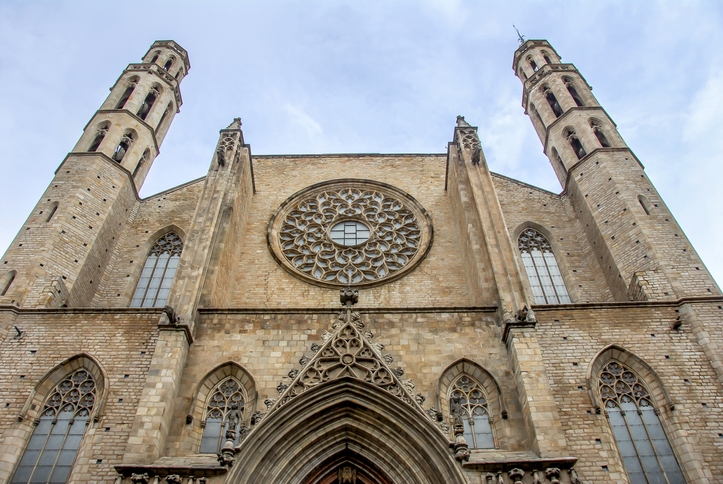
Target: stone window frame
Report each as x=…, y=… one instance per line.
x=496, y=407
x=411, y=204
x=17, y=438
x=556, y=249
x=658, y=394
x=195, y=417
x=142, y=254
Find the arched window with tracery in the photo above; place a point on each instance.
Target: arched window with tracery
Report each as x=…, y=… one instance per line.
x=54, y=444
x=640, y=437
x=552, y=101
x=599, y=133
x=224, y=413
x=570, y=85
x=130, y=87
x=546, y=282
x=148, y=102
x=99, y=136
x=468, y=402
x=158, y=272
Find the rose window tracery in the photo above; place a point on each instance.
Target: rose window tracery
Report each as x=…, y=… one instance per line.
x=350, y=232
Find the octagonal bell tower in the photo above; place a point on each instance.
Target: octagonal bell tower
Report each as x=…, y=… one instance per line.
x=62, y=250
x=639, y=245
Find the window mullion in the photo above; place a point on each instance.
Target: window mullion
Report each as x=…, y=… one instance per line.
x=163, y=278
x=150, y=278
x=652, y=445
x=632, y=441
x=60, y=449
x=42, y=450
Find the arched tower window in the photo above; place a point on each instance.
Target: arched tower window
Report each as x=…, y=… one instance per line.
x=641, y=440
x=6, y=282
x=123, y=146
x=536, y=115
x=224, y=413
x=523, y=75
x=575, y=144
x=599, y=133
x=127, y=93
x=54, y=444
x=552, y=101
x=155, y=57
x=148, y=102
x=165, y=115
x=468, y=403
x=573, y=92
x=99, y=136
x=533, y=64
x=141, y=162
x=546, y=282
x=169, y=63
x=546, y=57
x=158, y=272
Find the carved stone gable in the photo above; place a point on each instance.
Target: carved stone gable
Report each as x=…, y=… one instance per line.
x=348, y=352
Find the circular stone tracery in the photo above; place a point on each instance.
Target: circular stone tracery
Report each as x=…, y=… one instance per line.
x=354, y=232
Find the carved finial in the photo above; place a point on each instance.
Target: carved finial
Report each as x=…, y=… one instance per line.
x=461, y=123
x=236, y=124
x=520, y=37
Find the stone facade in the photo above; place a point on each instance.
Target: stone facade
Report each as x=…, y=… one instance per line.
x=359, y=382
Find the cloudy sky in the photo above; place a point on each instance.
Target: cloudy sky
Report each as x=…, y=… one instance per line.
x=374, y=76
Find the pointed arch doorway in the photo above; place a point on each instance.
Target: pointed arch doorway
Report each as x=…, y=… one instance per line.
x=346, y=431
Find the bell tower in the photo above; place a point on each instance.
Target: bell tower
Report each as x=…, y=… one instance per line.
x=639, y=245
x=61, y=251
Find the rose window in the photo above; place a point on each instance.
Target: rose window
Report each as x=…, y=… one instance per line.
x=350, y=232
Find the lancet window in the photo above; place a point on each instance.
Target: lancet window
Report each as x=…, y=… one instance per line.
x=641, y=440
x=540, y=264
x=148, y=102
x=123, y=146
x=223, y=415
x=99, y=136
x=54, y=444
x=158, y=272
x=127, y=93
x=6, y=282
x=599, y=133
x=552, y=101
x=575, y=144
x=468, y=402
x=573, y=92
x=141, y=162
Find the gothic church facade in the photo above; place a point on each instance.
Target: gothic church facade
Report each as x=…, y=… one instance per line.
x=379, y=319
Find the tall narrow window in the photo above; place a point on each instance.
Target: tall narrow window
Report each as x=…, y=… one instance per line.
x=99, y=136
x=468, y=402
x=641, y=440
x=546, y=57
x=155, y=57
x=169, y=63
x=54, y=444
x=645, y=203
x=148, y=103
x=224, y=412
x=599, y=133
x=158, y=272
x=165, y=116
x=6, y=282
x=127, y=93
x=575, y=144
x=541, y=267
x=533, y=64
x=552, y=101
x=51, y=211
x=522, y=73
x=536, y=115
x=573, y=92
x=141, y=162
x=123, y=147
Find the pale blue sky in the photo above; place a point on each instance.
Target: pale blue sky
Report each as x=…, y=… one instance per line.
x=386, y=76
